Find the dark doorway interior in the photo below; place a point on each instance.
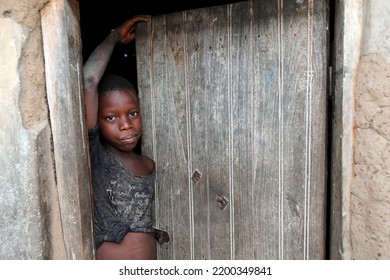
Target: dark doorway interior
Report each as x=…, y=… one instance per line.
x=99, y=18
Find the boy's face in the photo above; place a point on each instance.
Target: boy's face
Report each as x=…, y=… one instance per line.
x=120, y=119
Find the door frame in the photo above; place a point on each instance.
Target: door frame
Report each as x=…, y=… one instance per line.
x=346, y=53
x=347, y=28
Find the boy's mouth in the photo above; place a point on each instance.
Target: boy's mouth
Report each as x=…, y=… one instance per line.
x=129, y=138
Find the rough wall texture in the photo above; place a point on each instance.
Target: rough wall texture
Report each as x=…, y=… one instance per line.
x=370, y=201
x=32, y=99
x=371, y=191
x=29, y=207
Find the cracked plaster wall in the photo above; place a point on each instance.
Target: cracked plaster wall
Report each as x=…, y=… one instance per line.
x=370, y=200
x=30, y=224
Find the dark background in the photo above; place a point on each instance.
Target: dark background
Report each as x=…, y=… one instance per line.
x=97, y=18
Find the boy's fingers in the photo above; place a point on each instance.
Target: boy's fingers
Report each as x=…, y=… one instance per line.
x=142, y=16
x=126, y=30
x=136, y=19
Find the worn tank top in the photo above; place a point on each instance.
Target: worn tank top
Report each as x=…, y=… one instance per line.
x=122, y=200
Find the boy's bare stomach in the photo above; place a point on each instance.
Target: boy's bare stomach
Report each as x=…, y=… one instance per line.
x=135, y=246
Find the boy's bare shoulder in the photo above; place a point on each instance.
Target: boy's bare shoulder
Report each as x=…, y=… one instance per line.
x=148, y=163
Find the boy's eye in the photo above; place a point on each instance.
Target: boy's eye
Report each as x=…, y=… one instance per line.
x=110, y=118
x=133, y=114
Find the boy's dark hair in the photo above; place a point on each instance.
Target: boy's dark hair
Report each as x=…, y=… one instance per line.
x=114, y=82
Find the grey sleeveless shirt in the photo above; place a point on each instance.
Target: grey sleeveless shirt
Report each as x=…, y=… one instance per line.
x=122, y=200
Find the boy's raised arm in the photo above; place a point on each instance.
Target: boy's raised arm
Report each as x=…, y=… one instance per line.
x=97, y=62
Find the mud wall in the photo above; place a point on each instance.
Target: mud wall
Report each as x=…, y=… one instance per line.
x=30, y=224
x=370, y=199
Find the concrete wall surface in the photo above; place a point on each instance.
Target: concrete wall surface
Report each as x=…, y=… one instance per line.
x=29, y=226
x=370, y=200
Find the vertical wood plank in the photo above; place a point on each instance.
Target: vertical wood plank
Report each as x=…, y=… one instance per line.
x=194, y=27
x=172, y=193
x=293, y=47
x=163, y=122
x=266, y=131
x=318, y=125
x=242, y=122
x=178, y=130
x=208, y=49
x=63, y=68
x=144, y=45
x=299, y=181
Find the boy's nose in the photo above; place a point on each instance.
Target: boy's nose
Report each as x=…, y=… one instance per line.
x=125, y=124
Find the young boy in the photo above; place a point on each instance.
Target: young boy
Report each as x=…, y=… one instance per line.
x=122, y=180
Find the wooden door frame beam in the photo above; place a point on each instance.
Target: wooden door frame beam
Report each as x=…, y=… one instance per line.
x=348, y=34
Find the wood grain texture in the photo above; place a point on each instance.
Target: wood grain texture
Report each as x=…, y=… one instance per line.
x=63, y=68
x=240, y=95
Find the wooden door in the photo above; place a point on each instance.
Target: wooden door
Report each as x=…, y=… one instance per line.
x=234, y=107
